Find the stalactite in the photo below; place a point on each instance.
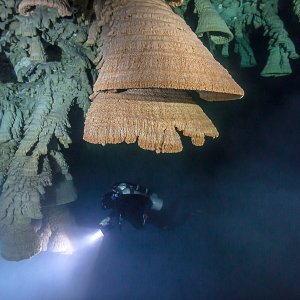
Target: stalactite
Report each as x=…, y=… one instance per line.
x=34, y=122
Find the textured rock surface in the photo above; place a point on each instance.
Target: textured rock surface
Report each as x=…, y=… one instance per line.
x=152, y=118
x=41, y=86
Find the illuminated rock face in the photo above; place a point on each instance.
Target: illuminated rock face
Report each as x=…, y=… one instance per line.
x=150, y=117
x=153, y=54
x=41, y=86
x=149, y=46
x=46, y=54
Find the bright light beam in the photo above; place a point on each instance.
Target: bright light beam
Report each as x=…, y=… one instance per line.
x=95, y=236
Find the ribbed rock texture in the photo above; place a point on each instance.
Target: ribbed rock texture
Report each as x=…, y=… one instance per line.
x=150, y=117
x=146, y=58
x=149, y=46
x=40, y=86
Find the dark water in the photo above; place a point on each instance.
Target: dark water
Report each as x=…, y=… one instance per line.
x=237, y=209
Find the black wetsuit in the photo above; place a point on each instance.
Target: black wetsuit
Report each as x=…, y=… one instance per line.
x=133, y=203
x=133, y=208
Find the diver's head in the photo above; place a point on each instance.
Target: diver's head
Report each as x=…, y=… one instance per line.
x=108, y=200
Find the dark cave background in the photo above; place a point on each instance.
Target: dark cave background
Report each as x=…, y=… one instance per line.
x=237, y=207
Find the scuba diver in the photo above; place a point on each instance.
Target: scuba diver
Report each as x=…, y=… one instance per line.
x=133, y=203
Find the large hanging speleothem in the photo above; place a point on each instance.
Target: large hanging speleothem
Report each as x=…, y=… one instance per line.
x=149, y=46
x=146, y=46
x=150, y=117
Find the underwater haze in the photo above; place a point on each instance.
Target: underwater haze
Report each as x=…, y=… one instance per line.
x=234, y=204
x=237, y=211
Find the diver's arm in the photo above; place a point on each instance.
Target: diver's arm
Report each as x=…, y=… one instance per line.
x=107, y=221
